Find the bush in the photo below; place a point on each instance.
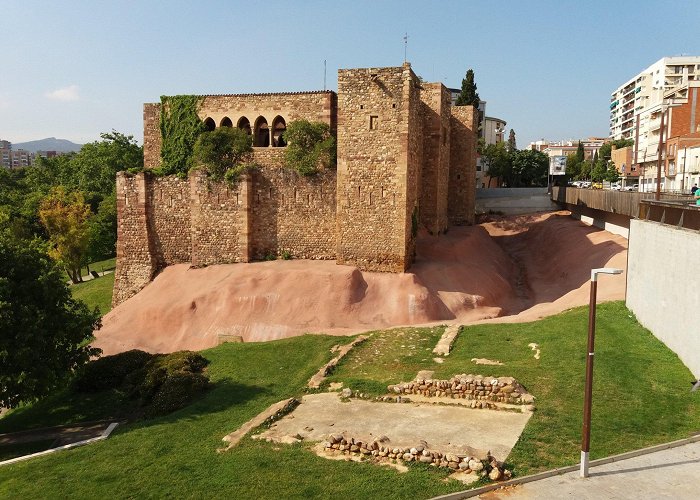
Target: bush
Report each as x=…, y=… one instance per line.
x=222, y=150
x=177, y=391
x=310, y=147
x=160, y=382
x=110, y=372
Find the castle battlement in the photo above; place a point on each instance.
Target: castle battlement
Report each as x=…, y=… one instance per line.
x=406, y=159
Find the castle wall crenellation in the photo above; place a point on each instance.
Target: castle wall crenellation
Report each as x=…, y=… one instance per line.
x=406, y=157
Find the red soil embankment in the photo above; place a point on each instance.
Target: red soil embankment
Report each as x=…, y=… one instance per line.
x=523, y=267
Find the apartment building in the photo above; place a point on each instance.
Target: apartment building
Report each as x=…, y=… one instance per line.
x=668, y=87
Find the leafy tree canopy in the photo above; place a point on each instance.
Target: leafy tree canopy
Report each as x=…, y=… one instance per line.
x=43, y=330
x=468, y=95
x=222, y=150
x=66, y=218
x=310, y=147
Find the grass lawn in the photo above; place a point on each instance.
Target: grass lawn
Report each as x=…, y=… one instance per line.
x=641, y=397
x=96, y=292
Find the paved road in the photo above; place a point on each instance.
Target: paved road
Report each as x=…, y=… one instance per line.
x=672, y=473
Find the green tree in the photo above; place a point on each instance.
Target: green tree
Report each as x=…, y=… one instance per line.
x=103, y=231
x=43, y=330
x=605, y=151
x=598, y=171
x=310, y=147
x=225, y=149
x=580, y=153
x=66, y=218
x=497, y=163
x=611, y=174
x=530, y=168
x=586, y=169
x=468, y=95
x=573, y=167
x=511, y=141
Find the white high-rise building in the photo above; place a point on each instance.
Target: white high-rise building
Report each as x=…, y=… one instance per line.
x=635, y=107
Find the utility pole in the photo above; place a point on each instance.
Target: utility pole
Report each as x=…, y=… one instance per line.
x=657, y=196
x=685, y=155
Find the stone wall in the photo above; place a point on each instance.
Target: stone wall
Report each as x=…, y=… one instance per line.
x=406, y=157
x=168, y=215
x=481, y=390
x=151, y=135
x=461, y=190
x=373, y=113
x=290, y=212
x=435, y=108
x=220, y=227
x=258, y=110
x=135, y=262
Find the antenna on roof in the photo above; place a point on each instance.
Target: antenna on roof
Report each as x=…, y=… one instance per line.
x=405, y=46
x=324, y=75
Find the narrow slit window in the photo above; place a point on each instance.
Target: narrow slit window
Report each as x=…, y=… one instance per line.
x=373, y=122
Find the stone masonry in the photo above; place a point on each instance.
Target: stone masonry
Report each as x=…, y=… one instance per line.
x=406, y=159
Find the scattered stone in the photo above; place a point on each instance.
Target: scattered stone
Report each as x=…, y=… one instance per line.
x=485, y=361
x=535, y=348
x=346, y=393
x=495, y=474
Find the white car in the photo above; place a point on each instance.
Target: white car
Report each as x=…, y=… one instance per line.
x=615, y=187
x=633, y=187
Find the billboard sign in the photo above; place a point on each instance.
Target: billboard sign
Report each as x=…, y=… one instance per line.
x=557, y=165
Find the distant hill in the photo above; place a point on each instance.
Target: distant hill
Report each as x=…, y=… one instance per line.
x=50, y=144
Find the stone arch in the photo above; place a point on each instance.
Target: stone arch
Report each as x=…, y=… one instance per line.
x=209, y=124
x=279, y=126
x=262, y=133
x=244, y=124
x=226, y=122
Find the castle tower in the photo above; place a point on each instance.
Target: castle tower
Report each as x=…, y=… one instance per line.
x=379, y=155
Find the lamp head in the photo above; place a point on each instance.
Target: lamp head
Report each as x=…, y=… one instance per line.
x=604, y=270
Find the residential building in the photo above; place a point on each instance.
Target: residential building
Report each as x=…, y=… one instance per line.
x=669, y=86
x=6, y=154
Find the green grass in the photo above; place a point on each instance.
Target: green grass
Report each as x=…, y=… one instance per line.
x=640, y=393
x=641, y=397
x=175, y=456
x=96, y=292
x=99, y=266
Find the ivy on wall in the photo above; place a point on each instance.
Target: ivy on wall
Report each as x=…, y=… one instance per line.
x=180, y=127
x=310, y=147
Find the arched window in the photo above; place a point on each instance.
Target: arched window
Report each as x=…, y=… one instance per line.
x=209, y=125
x=279, y=126
x=244, y=125
x=226, y=122
x=262, y=133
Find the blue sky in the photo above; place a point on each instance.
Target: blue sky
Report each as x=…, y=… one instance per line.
x=74, y=69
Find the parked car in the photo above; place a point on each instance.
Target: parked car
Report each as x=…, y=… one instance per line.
x=585, y=184
x=597, y=185
x=576, y=184
x=615, y=187
x=633, y=187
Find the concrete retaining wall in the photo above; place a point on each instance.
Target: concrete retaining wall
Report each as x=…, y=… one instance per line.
x=661, y=292
x=514, y=201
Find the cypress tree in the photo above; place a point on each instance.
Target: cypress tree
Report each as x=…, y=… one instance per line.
x=468, y=96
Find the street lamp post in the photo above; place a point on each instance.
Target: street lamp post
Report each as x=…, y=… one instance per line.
x=588, y=392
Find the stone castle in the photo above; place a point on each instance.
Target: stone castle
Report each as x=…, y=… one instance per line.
x=406, y=158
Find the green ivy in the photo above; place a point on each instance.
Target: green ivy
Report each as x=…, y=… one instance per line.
x=180, y=126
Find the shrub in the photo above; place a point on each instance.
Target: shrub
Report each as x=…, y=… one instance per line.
x=310, y=147
x=110, y=372
x=160, y=382
x=222, y=150
x=177, y=391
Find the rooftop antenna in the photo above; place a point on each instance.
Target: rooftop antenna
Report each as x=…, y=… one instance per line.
x=405, y=46
x=324, y=75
